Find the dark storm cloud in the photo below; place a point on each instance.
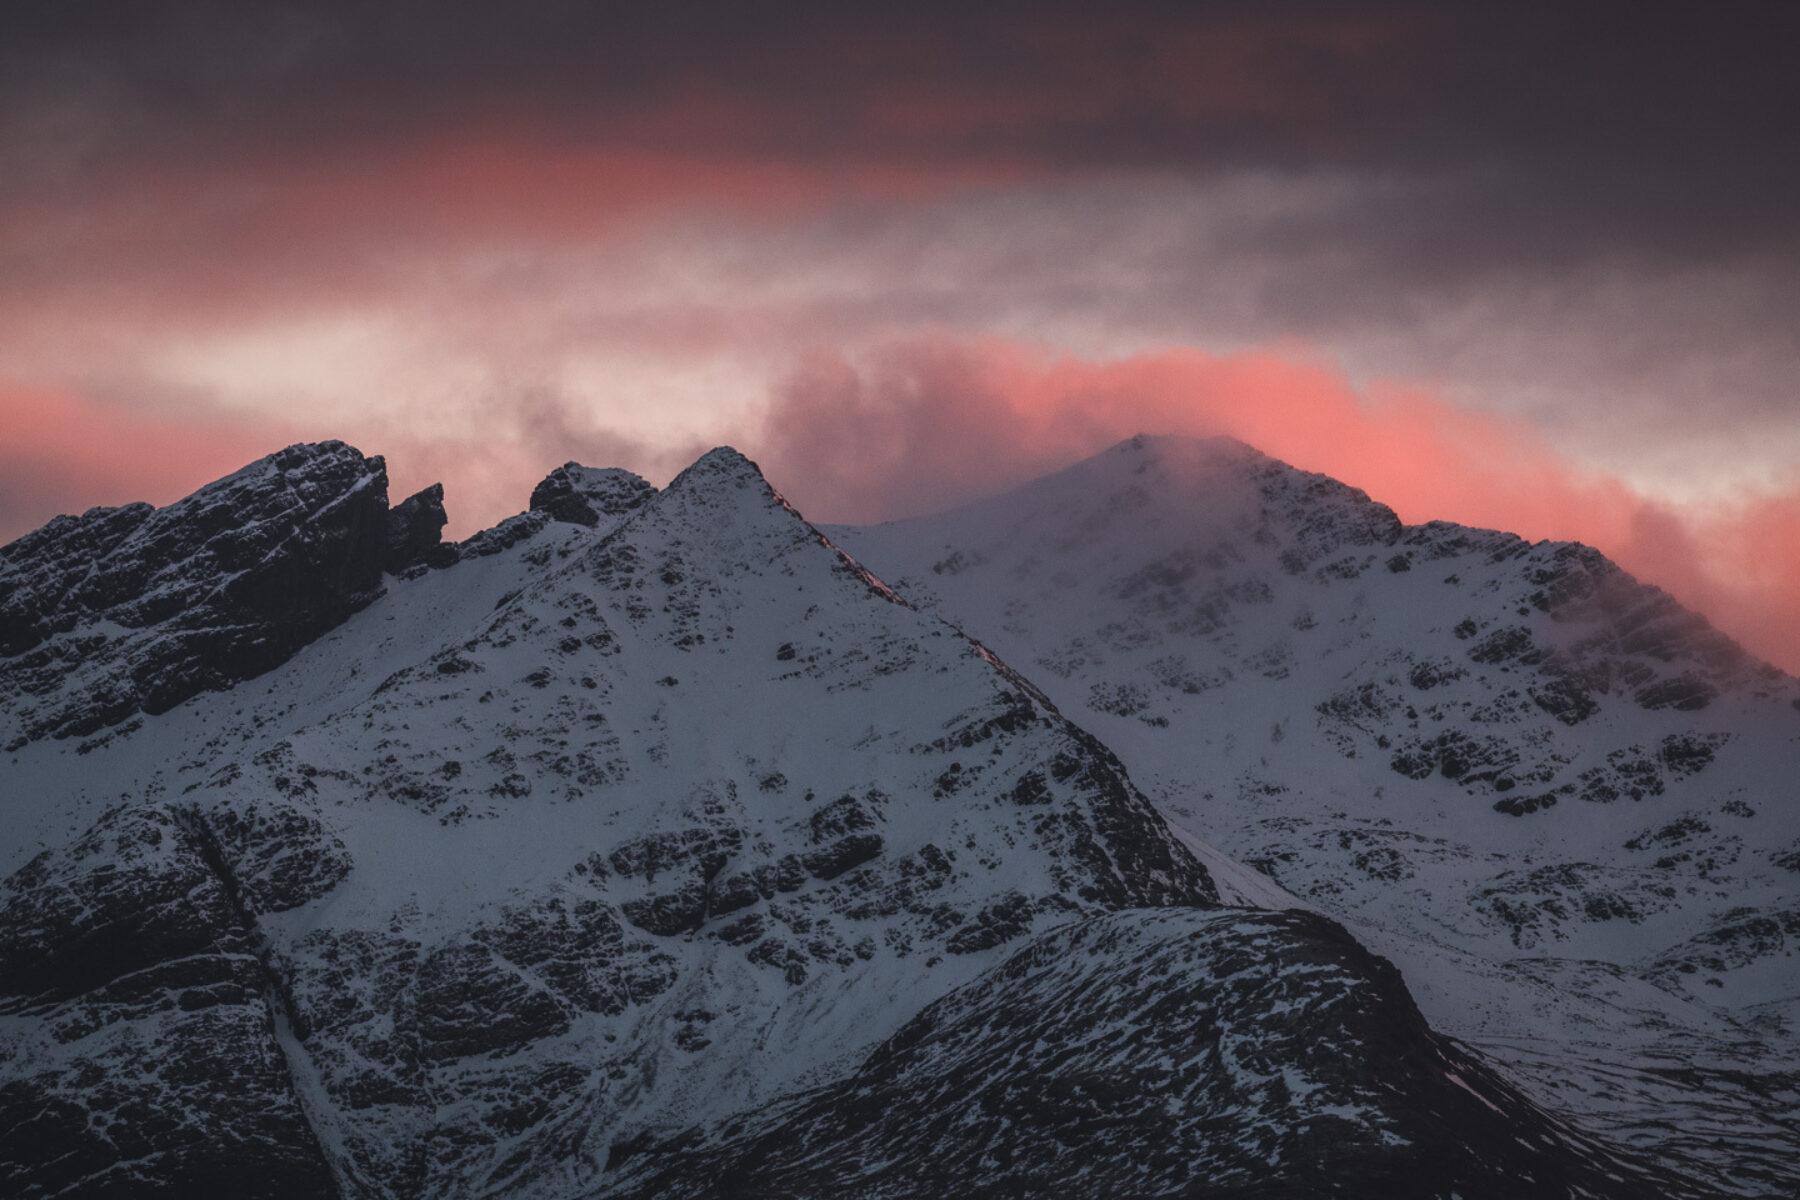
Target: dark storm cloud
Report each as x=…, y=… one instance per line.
x=1689, y=96
x=227, y=154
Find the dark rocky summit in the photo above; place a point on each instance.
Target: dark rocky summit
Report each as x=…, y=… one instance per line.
x=582, y=495
x=156, y=605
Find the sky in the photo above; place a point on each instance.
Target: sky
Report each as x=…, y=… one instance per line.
x=1527, y=266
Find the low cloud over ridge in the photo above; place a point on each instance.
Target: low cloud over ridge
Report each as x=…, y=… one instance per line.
x=927, y=423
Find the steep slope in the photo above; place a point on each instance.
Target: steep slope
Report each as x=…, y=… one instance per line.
x=1168, y=1053
x=1481, y=752
x=138, y=1054
x=133, y=609
x=633, y=823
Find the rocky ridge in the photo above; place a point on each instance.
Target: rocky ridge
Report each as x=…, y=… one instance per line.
x=132, y=610
x=1185, y=1053
x=505, y=871
x=579, y=835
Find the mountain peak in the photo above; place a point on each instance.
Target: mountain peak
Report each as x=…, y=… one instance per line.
x=713, y=483
x=583, y=495
x=1218, y=445
x=156, y=605
x=721, y=464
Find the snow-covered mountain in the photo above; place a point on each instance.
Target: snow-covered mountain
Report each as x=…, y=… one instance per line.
x=1566, y=806
x=648, y=844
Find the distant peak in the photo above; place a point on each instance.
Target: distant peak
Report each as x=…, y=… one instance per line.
x=728, y=459
x=1222, y=443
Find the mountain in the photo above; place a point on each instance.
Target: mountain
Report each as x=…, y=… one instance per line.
x=649, y=844
x=1561, y=802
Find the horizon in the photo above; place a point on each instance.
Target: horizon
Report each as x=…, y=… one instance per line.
x=1780, y=653
x=1527, y=268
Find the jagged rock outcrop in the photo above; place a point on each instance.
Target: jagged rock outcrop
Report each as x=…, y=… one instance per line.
x=135, y=609
x=598, y=498
x=415, y=528
x=582, y=495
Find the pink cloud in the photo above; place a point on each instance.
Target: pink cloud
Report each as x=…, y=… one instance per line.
x=64, y=452
x=928, y=423
x=924, y=424
x=67, y=452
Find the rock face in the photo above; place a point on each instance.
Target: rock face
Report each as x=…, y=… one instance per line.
x=143, y=1057
x=627, y=853
x=134, y=609
x=1164, y=1053
x=582, y=495
x=415, y=527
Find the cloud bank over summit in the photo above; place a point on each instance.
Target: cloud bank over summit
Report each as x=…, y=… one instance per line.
x=491, y=239
x=915, y=425
x=927, y=423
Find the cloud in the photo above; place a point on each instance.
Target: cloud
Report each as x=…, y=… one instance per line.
x=926, y=423
x=1610, y=249
x=923, y=423
x=64, y=452
x=485, y=239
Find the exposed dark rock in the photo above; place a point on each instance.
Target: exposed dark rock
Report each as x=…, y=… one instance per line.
x=466, y=1002
x=42, y=568
x=1289, y=1062
x=1001, y=921
x=1540, y=905
x=211, y=590
x=1433, y=672
x=503, y=536
x=669, y=913
x=127, y=940
x=1565, y=700
x=1471, y=760
x=833, y=859
x=1506, y=645
x=1688, y=754
x=1742, y=938
x=414, y=529
x=1683, y=692
x=280, y=857
x=582, y=495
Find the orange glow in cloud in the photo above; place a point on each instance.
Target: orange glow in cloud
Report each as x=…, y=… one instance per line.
x=926, y=424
